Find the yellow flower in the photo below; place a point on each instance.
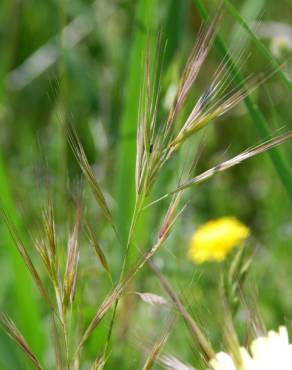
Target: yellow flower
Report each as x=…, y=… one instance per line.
x=213, y=240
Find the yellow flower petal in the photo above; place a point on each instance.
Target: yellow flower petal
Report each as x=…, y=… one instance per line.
x=213, y=240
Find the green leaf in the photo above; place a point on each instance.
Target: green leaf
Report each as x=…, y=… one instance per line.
x=145, y=23
x=25, y=309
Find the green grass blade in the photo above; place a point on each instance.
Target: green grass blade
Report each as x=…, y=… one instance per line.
x=25, y=310
x=127, y=148
x=249, y=11
x=264, y=51
x=256, y=115
x=23, y=304
x=174, y=25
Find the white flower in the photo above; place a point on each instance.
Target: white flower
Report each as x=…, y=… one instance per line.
x=272, y=352
x=222, y=361
x=280, y=44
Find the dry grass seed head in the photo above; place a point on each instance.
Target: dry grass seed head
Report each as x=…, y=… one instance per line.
x=214, y=102
x=49, y=225
x=152, y=299
x=71, y=269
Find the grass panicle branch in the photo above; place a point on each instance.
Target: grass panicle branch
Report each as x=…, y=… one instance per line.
x=169, y=221
x=256, y=115
x=98, y=249
x=82, y=160
x=193, y=66
x=201, y=340
x=17, y=337
x=26, y=257
x=223, y=166
x=157, y=348
x=249, y=153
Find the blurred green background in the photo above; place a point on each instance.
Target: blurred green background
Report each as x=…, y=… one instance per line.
x=79, y=62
